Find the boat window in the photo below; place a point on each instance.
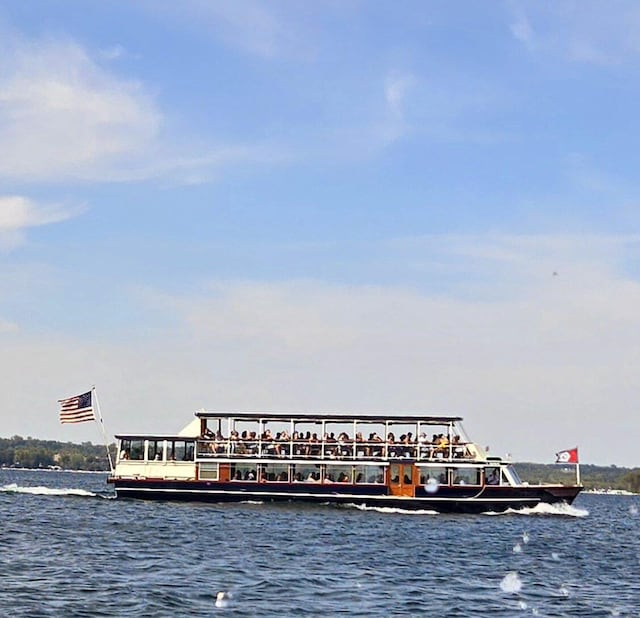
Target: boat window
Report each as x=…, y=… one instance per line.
x=338, y=474
x=369, y=474
x=492, y=476
x=180, y=450
x=433, y=475
x=465, y=476
x=209, y=471
x=155, y=450
x=394, y=473
x=514, y=475
x=136, y=450
x=125, y=450
x=306, y=473
x=243, y=472
x=274, y=472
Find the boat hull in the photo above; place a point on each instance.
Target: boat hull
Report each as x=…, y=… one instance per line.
x=445, y=500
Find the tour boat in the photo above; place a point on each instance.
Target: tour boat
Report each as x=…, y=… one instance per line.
x=397, y=461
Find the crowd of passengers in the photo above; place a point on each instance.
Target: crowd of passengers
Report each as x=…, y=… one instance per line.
x=282, y=444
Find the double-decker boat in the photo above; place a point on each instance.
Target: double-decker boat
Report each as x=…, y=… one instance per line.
x=400, y=461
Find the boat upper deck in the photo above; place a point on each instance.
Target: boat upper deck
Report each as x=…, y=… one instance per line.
x=329, y=436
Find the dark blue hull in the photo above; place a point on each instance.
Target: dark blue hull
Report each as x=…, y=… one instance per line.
x=445, y=500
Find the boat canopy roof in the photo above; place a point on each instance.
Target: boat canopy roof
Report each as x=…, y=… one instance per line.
x=333, y=417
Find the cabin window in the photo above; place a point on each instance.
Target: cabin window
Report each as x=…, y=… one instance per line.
x=125, y=450
x=274, y=473
x=306, y=473
x=369, y=474
x=465, y=476
x=180, y=450
x=434, y=475
x=209, y=471
x=155, y=450
x=492, y=476
x=394, y=473
x=243, y=472
x=338, y=474
x=135, y=449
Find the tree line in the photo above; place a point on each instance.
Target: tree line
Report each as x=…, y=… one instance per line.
x=592, y=477
x=19, y=452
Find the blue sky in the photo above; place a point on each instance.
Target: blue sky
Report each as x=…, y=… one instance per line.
x=323, y=206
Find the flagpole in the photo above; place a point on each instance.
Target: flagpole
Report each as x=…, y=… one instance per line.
x=104, y=433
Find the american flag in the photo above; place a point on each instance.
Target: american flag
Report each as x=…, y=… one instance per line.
x=76, y=409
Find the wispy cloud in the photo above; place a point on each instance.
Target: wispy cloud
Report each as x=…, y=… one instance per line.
x=267, y=31
x=580, y=31
x=396, y=89
x=64, y=117
x=18, y=213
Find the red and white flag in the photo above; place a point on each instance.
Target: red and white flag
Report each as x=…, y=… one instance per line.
x=78, y=409
x=568, y=456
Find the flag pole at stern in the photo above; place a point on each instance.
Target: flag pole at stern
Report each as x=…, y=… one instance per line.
x=104, y=432
x=570, y=456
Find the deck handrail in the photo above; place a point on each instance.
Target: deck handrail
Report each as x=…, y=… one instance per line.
x=332, y=450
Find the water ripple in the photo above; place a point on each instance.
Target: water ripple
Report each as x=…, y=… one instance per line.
x=66, y=552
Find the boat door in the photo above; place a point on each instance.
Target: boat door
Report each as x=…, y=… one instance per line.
x=401, y=479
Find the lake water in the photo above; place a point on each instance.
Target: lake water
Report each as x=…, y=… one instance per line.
x=69, y=549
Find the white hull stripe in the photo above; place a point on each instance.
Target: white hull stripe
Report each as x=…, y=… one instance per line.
x=215, y=492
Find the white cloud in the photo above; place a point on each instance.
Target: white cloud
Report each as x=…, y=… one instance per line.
x=397, y=86
x=64, y=117
x=17, y=213
x=584, y=31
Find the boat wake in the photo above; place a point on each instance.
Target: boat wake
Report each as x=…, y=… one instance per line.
x=388, y=509
x=562, y=509
x=14, y=488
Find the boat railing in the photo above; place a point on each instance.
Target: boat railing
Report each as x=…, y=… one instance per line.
x=329, y=450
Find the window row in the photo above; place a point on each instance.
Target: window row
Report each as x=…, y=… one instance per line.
x=157, y=450
x=295, y=473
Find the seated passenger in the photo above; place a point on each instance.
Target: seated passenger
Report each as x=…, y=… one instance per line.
x=423, y=446
x=442, y=446
x=314, y=445
x=252, y=443
x=391, y=448
x=220, y=443
x=344, y=448
x=375, y=445
x=459, y=450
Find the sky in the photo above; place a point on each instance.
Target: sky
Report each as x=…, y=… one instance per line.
x=338, y=206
